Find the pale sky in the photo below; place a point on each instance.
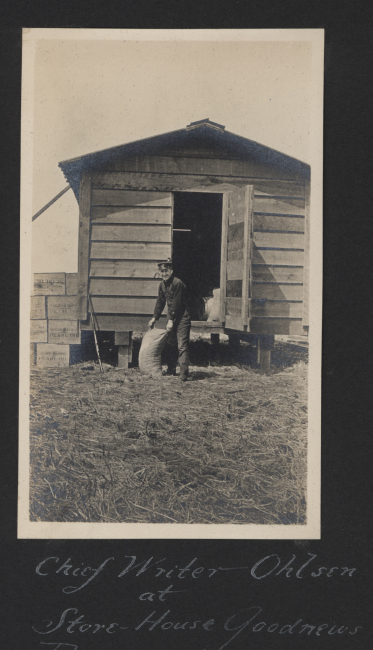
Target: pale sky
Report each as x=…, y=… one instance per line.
x=92, y=94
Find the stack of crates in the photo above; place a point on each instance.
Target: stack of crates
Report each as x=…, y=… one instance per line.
x=55, y=327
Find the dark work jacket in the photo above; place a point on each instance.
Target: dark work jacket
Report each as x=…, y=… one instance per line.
x=172, y=292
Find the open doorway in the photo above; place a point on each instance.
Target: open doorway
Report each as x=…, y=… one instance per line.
x=196, y=252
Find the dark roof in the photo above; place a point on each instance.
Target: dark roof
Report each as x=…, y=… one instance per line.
x=203, y=135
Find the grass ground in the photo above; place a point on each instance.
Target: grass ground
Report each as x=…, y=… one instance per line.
x=228, y=446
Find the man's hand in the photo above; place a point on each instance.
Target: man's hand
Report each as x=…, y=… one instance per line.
x=151, y=323
x=170, y=325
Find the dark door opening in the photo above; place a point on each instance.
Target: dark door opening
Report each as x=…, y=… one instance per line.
x=196, y=252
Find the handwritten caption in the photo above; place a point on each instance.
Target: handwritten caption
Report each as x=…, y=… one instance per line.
x=252, y=618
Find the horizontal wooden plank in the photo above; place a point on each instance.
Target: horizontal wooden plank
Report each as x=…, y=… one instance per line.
x=119, y=305
x=295, y=189
x=39, y=331
x=263, y=273
x=193, y=182
x=266, y=308
x=130, y=251
x=124, y=233
x=123, y=323
x=287, y=257
x=71, y=284
x=63, y=332
x=234, y=270
x=201, y=161
x=50, y=355
x=38, y=307
x=278, y=240
x=48, y=284
x=124, y=197
x=123, y=269
x=269, y=222
x=119, y=287
x=277, y=291
x=269, y=309
x=262, y=203
x=63, y=307
x=104, y=214
x=275, y=326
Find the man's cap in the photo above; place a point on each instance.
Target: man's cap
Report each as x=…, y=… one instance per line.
x=167, y=262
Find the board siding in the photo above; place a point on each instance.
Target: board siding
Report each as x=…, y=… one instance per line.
x=120, y=305
x=277, y=291
x=129, y=233
x=194, y=182
x=267, y=273
x=270, y=222
x=122, y=197
x=278, y=240
x=285, y=257
x=119, y=287
x=123, y=268
x=281, y=309
x=130, y=251
x=279, y=206
x=306, y=321
x=101, y=214
x=126, y=323
x=267, y=308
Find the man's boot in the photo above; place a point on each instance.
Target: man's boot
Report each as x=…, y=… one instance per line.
x=184, y=365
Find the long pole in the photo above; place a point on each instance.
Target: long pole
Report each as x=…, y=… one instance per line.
x=50, y=203
x=94, y=334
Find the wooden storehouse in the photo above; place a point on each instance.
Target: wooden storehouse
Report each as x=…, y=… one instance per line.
x=232, y=213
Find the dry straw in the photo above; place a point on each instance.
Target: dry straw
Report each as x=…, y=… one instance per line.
x=228, y=446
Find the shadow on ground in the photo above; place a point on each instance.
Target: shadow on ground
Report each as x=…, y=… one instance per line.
x=203, y=353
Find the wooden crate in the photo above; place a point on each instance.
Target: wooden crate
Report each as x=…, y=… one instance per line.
x=49, y=284
x=62, y=307
x=39, y=331
x=38, y=311
x=54, y=356
x=71, y=284
x=63, y=332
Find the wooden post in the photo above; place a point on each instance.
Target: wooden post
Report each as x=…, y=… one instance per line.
x=84, y=236
x=258, y=350
x=124, y=342
x=234, y=341
x=265, y=346
x=265, y=360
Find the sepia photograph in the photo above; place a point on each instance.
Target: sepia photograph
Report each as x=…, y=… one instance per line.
x=171, y=284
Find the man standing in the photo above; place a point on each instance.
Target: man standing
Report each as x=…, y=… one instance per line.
x=173, y=292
